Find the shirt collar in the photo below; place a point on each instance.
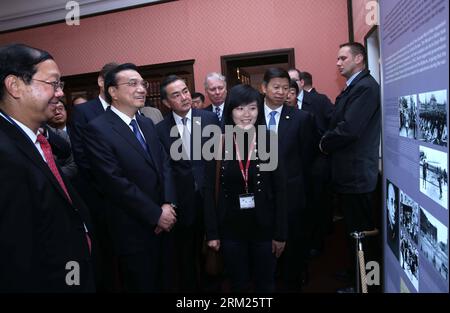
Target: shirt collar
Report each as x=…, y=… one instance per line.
x=300, y=96
x=221, y=107
x=178, y=118
x=267, y=110
x=127, y=120
x=105, y=104
x=28, y=131
x=349, y=81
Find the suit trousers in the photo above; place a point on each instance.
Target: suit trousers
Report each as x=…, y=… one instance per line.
x=140, y=271
x=245, y=260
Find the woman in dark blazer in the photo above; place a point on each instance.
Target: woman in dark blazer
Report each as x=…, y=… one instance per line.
x=247, y=222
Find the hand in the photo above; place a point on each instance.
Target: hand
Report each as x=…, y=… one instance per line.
x=167, y=218
x=214, y=244
x=278, y=247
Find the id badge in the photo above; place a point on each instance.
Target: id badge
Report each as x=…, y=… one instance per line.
x=247, y=201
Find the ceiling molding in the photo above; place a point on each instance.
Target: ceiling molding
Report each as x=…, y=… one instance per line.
x=19, y=14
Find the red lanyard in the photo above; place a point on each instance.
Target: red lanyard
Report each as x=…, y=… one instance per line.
x=244, y=172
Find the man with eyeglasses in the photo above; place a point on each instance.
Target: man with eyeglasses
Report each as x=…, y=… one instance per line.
x=45, y=238
x=133, y=172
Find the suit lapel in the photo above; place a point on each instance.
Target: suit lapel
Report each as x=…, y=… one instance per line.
x=285, y=122
x=30, y=151
x=98, y=107
x=152, y=140
x=126, y=133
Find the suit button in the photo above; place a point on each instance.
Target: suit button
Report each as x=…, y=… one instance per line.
x=259, y=190
x=257, y=165
x=257, y=175
x=258, y=182
x=226, y=196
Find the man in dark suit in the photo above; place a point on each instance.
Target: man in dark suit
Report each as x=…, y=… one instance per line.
x=353, y=139
x=82, y=114
x=295, y=130
x=216, y=90
x=188, y=174
x=319, y=212
x=44, y=239
x=133, y=171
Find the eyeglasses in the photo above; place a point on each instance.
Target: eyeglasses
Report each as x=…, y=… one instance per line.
x=56, y=84
x=134, y=83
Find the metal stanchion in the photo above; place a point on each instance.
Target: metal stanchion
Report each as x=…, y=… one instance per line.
x=361, y=279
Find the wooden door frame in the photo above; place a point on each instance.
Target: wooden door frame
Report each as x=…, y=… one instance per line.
x=226, y=59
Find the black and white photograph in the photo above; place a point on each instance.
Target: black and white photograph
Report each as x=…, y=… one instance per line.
x=434, y=175
x=409, y=217
x=407, y=109
x=432, y=119
x=392, y=235
x=434, y=242
x=409, y=259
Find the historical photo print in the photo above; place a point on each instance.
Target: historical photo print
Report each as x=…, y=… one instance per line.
x=434, y=242
x=434, y=175
x=432, y=119
x=409, y=259
x=409, y=217
x=392, y=214
x=407, y=112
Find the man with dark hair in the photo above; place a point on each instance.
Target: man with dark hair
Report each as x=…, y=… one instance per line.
x=133, y=172
x=105, y=265
x=44, y=239
x=321, y=108
x=295, y=130
x=189, y=173
x=353, y=139
x=82, y=114
x=295, y=74
x=198, y=100
x=57, y=129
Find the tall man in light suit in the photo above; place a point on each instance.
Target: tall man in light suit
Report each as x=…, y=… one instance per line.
x=188, y=175
x=44, y=229
x=133, y=172
x=353, y=139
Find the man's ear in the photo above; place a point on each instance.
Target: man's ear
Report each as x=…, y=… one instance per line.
x=263, y=88
x=13, y=86
x=101, y=82
x=112, y=92
x=359, y=59
x=166, y=103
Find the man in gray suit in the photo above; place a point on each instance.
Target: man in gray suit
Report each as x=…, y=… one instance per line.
x=353, y=139
x=152, y=113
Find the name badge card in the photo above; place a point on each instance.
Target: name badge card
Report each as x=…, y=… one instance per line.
x=247, y=201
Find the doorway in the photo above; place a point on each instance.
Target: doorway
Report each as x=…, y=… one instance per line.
x=249, y=68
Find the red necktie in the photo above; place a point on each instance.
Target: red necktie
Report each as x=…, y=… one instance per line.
x=48, y=155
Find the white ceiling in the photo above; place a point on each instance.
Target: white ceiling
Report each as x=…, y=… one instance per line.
x=16, y=14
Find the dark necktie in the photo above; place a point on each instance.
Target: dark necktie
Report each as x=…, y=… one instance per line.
x=138, y=135
x=48, y=155
x=218, y=112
